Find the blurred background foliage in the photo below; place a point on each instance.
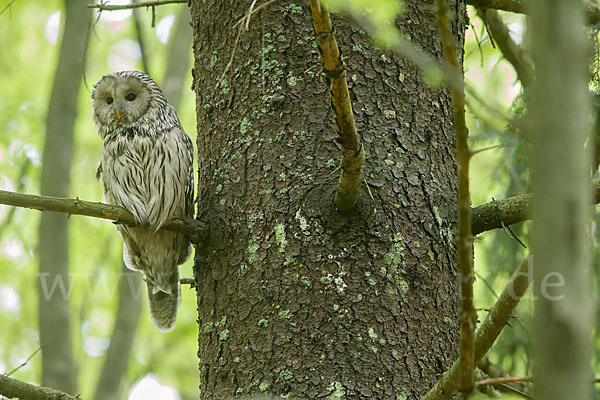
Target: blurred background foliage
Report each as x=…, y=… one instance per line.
x=165, y=366
x=160, y=366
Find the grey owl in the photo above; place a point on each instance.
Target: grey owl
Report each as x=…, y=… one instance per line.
x=146, y=168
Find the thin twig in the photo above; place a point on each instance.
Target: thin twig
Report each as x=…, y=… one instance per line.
x=249, y=14
x=230, y=63
x=503, y=379
x=522, y=324
x=140, y=38
x=470, y=90
x=257, y=9
x=311, y=68
x=515, y=390
x=8, y=5
x=464, y=242
x=478, y=42
x=20, y=186
x=105, y=7
x=502, y=382
x=487, y=284
x=511, y=234
x=91, y=26
x=496, y=146
x=368, y=188
x=24, y=363
x=513, y=53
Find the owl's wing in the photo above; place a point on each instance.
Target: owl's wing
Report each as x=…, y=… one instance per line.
x=172, y=186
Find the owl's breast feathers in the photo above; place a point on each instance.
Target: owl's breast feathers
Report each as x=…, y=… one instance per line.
x=149, y=174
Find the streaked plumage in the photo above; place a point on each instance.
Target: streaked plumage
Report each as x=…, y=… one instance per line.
x=146, y=167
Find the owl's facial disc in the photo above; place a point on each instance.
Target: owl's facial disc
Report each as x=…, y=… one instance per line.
x=132, y=100
x=122, y=100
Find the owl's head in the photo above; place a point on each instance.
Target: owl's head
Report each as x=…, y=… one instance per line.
x=122, y=98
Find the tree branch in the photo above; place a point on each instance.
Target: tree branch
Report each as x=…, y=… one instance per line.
x=489, y=330
x=104, y=7
x=464, y=243
x=592, y=11
x=13, y=388
x=195, y=229
x=510, y=50
x=353, y=154
x=510, y=211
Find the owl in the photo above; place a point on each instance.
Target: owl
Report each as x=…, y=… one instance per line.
x=146, y=168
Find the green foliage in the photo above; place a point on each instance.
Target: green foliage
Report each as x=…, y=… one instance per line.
x=378, y=16
x=27, y=62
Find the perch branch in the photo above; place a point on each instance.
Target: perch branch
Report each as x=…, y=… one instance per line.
x=106, y=7
x=510, y=211
x=510, y=50
x=193, y=228
x=489, y=330
x=353, y=154
x=13, y=388
x=592, y=11
x=464, y=242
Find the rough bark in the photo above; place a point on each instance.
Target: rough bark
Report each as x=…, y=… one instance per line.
x=58, y=369
x=293, y=297
x=559, y=121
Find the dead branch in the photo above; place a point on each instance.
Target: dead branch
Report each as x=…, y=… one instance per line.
x=510, y=211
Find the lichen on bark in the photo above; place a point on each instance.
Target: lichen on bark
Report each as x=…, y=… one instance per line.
x=315, y=303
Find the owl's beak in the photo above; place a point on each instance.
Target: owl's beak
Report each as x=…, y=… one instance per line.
x=118, y=113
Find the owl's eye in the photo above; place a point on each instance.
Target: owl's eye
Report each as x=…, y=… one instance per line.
x=130, y=97
x=109, y=100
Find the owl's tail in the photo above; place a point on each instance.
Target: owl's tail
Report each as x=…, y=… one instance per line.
x=163, y=307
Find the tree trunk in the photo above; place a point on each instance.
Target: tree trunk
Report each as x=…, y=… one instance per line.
x=560, y=127
x=58, y=369
x=293, y=297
